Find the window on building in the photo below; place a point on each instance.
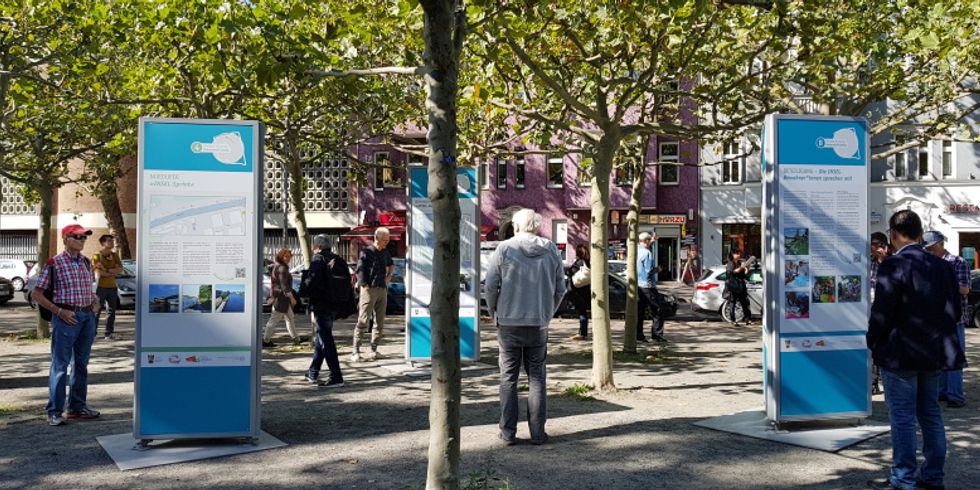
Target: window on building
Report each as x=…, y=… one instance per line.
x=583, y=176
x=923, y=155
x=501, y=174
x=417, y=160
x=624, y=175
x=484, y=175
x=731, y=166
x=947, y=159
x=381, y=161
x=669, y=172
x=556, y=173
x=519, y=174
x=746, y=237
x=901, y=166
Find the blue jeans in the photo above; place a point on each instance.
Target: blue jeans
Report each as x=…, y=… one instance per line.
x=951, y=382
x=527, y=347
x=324, y=347
x=67, y=342
x=911, y=396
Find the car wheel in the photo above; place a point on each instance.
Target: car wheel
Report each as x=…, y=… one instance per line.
x=976, y=317
x=739, y=313
x=17, y=283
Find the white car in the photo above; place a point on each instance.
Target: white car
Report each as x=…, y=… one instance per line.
x=15, y=270
x=710, y=287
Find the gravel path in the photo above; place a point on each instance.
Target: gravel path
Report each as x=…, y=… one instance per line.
x=372, y=433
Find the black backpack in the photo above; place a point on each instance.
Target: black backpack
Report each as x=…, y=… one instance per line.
x=49, y=293
x=336, y=293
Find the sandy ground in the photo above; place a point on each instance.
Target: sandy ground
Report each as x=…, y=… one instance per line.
x=373, y=432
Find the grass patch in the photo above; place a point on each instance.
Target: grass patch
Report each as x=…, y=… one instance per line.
x=579, y=391
x=486, y=479
x=304, y=347
x=523, y=387
x=9, y=409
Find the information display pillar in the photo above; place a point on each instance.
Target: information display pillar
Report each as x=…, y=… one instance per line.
x=816, y=258
x=199, y=280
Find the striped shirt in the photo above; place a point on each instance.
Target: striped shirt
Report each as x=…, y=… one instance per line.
x=75, y=278
x=963, y=280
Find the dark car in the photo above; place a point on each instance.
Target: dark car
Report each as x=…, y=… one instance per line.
x=974, y=299
x=396, y=289
x=617, y=300
x=6, y=290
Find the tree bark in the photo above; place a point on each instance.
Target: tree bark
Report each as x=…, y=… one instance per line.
x=46, y=192
x=294, y=167
x=602, y=361
x=114, y=217
x=444, y=23
x=632, y=233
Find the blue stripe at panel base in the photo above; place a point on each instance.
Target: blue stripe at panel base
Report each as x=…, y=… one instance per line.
x=195, y=400
x=828, y=382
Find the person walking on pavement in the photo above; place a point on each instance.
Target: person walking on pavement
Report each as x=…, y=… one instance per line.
x=951, y=382
x=646, y=278
x=581, y=296
x=107, y=266
x=736, y=286
x=524, y=286
x=74, y=308
x=912, y=337
x=319, y=285
x=283, y=299
x=374, y=270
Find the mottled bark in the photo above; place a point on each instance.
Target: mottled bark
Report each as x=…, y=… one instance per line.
x=297, y=211
x=114, y=217
x=444, y=23
x=46, y=204
x=602, y=360
x=632, y=233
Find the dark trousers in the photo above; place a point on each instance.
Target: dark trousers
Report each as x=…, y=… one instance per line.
x=109, y=299
x=324, y=347
x=527, y=347
x=742, y=299
x=647, y=298
x=580, y=300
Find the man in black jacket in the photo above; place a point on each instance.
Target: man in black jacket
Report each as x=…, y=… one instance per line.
x=316, y=284
x=912, y=336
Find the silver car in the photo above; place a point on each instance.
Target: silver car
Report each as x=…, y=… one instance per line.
x=125, y=284
x=709, y=290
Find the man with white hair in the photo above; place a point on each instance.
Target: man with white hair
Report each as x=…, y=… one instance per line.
x=524, y=286
x=374, y=270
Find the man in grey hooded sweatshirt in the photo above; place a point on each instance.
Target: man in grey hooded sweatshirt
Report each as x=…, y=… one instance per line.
x=524, y=285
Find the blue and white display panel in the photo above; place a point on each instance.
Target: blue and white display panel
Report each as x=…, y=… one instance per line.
x=816, y=315
x=198, y=280
x=421, y=248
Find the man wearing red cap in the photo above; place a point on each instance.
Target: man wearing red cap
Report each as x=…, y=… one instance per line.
x=74, y=308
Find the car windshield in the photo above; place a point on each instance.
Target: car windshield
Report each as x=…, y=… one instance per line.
x=127, y=272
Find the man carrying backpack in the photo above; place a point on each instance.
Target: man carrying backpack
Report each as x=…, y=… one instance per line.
x=328, y=286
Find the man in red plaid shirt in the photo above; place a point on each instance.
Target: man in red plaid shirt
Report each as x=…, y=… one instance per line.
x=73, y=312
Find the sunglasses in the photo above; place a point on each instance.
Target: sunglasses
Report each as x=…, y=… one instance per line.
x=78, y=237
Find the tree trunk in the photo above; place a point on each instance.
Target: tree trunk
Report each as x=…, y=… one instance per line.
x=444, y=24
x=297, y=212
x=114, y=217
x=602, y=361
x=46, y=192
x=632, y=233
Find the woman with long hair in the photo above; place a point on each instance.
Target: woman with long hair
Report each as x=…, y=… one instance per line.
x=282, y=299
x=580, y=296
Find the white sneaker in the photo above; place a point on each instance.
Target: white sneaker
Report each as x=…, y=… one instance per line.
x=355, y=357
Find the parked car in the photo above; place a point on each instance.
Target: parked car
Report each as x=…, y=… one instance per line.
x=617, y=300
x=710, y=288
x=16, y=271
x=974, y=298
x=125, y=284
x=6, y=290
x=267, y=291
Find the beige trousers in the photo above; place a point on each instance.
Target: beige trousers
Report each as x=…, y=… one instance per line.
x=372, y=303
x=270, y=326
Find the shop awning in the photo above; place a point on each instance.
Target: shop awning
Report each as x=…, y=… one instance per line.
x=366, y=232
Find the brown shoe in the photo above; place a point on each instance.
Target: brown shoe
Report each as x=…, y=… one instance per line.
x=578, y=337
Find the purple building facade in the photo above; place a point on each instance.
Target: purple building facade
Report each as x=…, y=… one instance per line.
x=552, y=186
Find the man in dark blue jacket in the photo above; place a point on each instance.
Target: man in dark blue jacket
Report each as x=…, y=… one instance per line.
x=912, y=337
